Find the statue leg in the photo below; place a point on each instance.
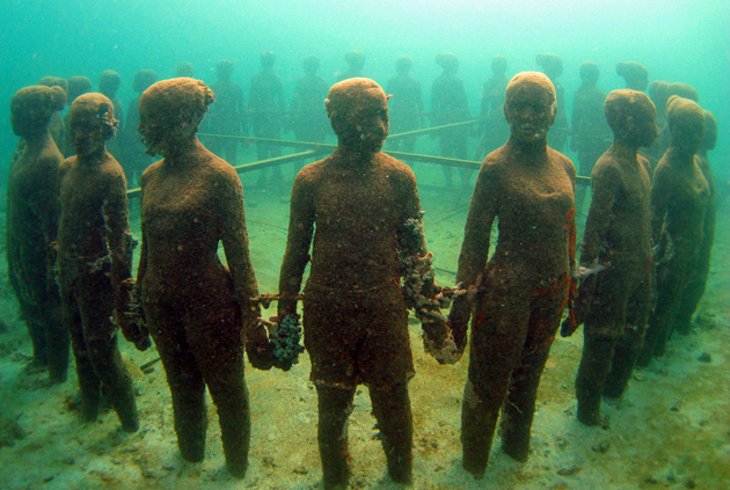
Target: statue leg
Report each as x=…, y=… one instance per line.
x=519, y=408
x=183, y=376
x=392, y=410
x=498, y=335
x=96, y=305
x=219, y=353
x=335, y=406
x=57, y=342
x=595, y=364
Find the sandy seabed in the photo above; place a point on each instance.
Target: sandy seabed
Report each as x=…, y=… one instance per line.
x=670, y=430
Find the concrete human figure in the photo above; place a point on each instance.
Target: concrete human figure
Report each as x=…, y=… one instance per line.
x=184, y=69
x=135, y=157
x=95, y=261
x=405, y=105
x=57, y=125
x=495, y=129
x=698, y=279
x=266, y=107
x=355, y=319
x=634, y=73
x=521, y=292
x=308, y=120
x=199, y=312
x=614, y=299
x=660, y=93
x=77, y=85
x=552, y=66
x=355, y=61
x=679, y=199
x=109, y=83
x=590, y=135
x=32, y=224
x=227, y=116
x=449, y=105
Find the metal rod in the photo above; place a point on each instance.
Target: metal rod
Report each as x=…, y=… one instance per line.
x=319, y=148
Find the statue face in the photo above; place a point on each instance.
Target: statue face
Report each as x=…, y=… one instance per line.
x=152, y=132
x=364, y=124
x=88, y=132
x=688, y=134
x=644, y=127
x=530, y=113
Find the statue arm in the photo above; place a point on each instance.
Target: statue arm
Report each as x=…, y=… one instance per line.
x=296, y=257
x=475, y=248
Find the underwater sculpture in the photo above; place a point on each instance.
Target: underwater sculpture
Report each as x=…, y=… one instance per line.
x=32, y=223
x=660, y=92
x=406, y=104
x=184, y=69
x=698, y=279
x=495, y=129
x=77, y=85
x=307, y=118
x=364, y=205
x=57, y=125
x=552, y=66
x=679, y=199
x=266, y=106
x=355, y=61
x=227, y=115
x=524, y=288
x=135, y=158
x=109, y=82
x=614, y=298
x=634, y=74
x=449, y=105
x=199, y=312
x=590, y=135
x=266, y=112
x=95, y=261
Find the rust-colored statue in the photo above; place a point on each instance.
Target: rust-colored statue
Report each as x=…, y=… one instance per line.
x=449, y=105
x=590, y=135
x=634, y=73
x=522, y=290
x=614, y=299
x=406, y=105
x=95, y=260
x=32, y=224
x=698, y=280
x=365, y=208
x=679, y=198
x=227, y=116
x=197, y=310
x=552, y=66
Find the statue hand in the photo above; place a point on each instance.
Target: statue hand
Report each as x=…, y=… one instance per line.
x=438, y=340
x=258, y=347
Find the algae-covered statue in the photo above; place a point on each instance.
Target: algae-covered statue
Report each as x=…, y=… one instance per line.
x=32, y=220
x=365, y=208
x=614, y=299
x=95, y=260
x=590, y=135
x=698, y=280
x=199, y=312
x=227, y=116
x=634, y=73
x=552, y=66
x=522, y=290
x=679, y=198
x=449, y=105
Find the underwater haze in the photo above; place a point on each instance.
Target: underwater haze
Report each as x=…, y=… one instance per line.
x=680, y=40
x=671, y=429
